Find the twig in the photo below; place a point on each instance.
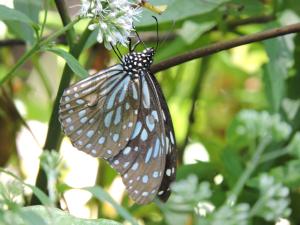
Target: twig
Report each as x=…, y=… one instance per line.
x=214, y=48
x=196, y=92
x=146, y=37
x=251, y=166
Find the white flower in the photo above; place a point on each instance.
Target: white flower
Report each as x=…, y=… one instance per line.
x=113, y=19
x=85, y=8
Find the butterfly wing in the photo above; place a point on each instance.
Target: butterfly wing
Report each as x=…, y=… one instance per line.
x=169, y=174
x=142, y=163
x=98, y=113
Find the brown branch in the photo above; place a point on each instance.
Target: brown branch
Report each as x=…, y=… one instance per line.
x=11, y=42
x=153, y=37
x=221, y=46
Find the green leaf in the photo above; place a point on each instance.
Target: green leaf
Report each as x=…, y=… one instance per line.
x=178, y=10
x=18, y=22
x=92, y=39
x=102, y=195
x=14, y=15
x=21, y=30
x=288, y=174
x=31, y=217
x=31, y=9
x=247, y=7
x=294, y=145
x=191, y=31
x=58, y=217
x=71, y=61
x=232, y=166
x=36, y=191
x=276, y=71
x=203, y=170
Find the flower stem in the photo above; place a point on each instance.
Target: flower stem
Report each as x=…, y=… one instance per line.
x=53, y=138
x=58, y=33
x=274, y=155
x=46, y=3
x=255, y=160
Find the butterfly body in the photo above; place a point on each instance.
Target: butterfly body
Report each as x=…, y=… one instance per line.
x=134, y=62
x=120, y=114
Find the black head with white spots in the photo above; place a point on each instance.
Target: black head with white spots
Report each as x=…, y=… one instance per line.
x=138, y=61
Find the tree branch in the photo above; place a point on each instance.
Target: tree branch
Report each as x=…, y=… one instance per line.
x=152, y=38
x=214, y=48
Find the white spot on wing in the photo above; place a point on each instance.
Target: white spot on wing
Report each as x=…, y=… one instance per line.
x=83, y=120
x=90, y=133
x=145, y=179
x=118, y=115
x=148, y=155
x=101, y=140
x=172, y=138
x=144, y=135
x=137, y=129
x=79, y=101
x=107, y=119
x=146, y=94
x=127, y=150
x=135, y=166
x=116, y=137
x=82, y=113
x=168, y=172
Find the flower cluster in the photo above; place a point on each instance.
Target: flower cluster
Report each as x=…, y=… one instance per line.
x=274, y=199
x=113, y=19
x=233, y=215
x=250, y=124
x=188, y=193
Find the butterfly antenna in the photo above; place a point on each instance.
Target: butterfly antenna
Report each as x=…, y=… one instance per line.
x=169, y=35
x=130, y=45
x=118, y=54
x=157, y=37
x=118, y=50
x=139, y=39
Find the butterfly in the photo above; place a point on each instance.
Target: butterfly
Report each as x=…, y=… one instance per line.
x=120, y=114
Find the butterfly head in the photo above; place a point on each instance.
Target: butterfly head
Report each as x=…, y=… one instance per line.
x=137, y=61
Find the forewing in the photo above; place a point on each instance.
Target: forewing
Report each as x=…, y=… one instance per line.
x=142, y=163
x=98, y=113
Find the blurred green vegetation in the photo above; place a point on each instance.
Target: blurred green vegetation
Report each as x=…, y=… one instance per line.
x=242, y=105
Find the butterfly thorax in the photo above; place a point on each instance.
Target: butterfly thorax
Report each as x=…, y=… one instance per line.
x=135, y=62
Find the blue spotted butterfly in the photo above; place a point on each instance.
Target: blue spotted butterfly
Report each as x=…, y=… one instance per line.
x=120, y=114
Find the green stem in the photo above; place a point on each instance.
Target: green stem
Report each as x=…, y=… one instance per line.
x=195, y=95
x=274, y=155
x=257, y=206
x=255, y=160
x=53, y=139
x=45, y=18
x=58, y=33
x=19, y=63
x=43, y=75
x=63, y=12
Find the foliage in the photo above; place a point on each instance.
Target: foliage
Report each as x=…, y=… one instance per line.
x=242, y=105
